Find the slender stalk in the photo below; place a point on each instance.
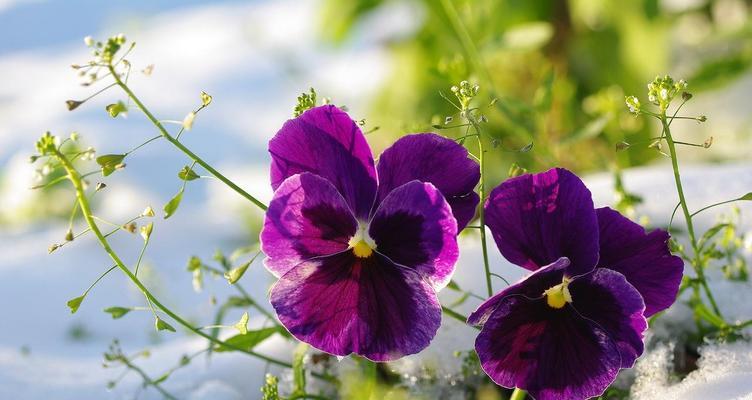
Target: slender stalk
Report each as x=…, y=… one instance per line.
x=482, y=214
x=75, y=179
x=713, y=205
x=243, y=293
x=697, y=262
x=518, y=394
x=180, y=146
x=148, y=379
x=454, y=314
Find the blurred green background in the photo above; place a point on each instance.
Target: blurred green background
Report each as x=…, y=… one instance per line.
x=560, y=70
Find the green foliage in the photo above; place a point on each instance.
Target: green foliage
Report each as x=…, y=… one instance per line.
x=110, y=162
x=173, y=204
x=116, y=109
x=187, y=174
x=75, y=303
x=248, y=340
x=161, y=325
x=117, y=312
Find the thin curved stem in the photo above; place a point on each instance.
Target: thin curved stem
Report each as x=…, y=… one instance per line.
x=180, y=146
x=697, y=262
x=75, y=179
x=714, y=205
x=481, y=213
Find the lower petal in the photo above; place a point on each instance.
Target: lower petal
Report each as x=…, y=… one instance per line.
x=551, y=353
x=606, y=298
x=343, y=304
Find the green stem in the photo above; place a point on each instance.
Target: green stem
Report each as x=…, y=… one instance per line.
x=75, y=179
x=482, y=214
x=518, y=394
x=148, y=379
x=697, y=262
x=180, y=146
x=714, y=205
x=454, y=314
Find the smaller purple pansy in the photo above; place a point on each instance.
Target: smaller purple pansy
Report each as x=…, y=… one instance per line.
x=564, y=331
x=361, y=249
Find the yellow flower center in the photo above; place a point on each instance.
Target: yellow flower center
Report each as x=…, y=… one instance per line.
x=558, y=296
x=361, y=243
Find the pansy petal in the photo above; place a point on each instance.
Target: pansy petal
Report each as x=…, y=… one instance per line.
x=606, y=298
x=415, y=228
x=306, y=218
x=552, y=353
x=644, y=259
x=428, y=157
x=343, y=304
x=535, y=219
x=327, y=142
x=530, y=287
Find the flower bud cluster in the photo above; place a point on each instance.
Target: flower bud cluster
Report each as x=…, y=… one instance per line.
x=664, y=89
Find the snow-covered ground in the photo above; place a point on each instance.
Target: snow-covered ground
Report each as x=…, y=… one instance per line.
x=39, y=354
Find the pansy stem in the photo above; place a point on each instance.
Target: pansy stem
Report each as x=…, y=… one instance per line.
x=518, y=394
x=697, y=262
x=180, y=146
x=83, y=202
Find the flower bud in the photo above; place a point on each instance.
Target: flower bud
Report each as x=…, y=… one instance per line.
x=188, y=120
x=89, y=41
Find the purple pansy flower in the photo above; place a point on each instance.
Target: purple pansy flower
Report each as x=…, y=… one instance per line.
x=361, y=249
x=566, y=330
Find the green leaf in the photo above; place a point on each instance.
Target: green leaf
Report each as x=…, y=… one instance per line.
x=110, y=162
x=710, y=233
x=187, y=174
x=702, y=311
x=163, y=326
x=248, y=340
x=453, y=285
x=116, y=109
x=242, y=325
x=117, y=312
x=236, y=273
x=173, y=204
x=74, y=303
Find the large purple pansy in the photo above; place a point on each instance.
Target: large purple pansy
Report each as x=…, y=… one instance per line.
x=567, y=329
x=361, y=249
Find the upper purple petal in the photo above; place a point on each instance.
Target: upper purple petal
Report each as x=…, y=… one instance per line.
x=428, y=157
x=644, y=259
x=415, y=228
x=606, y=298
x=307, y=217
x=343, y=304
x=535, y=219
x=552, y=353
x=327, y=142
